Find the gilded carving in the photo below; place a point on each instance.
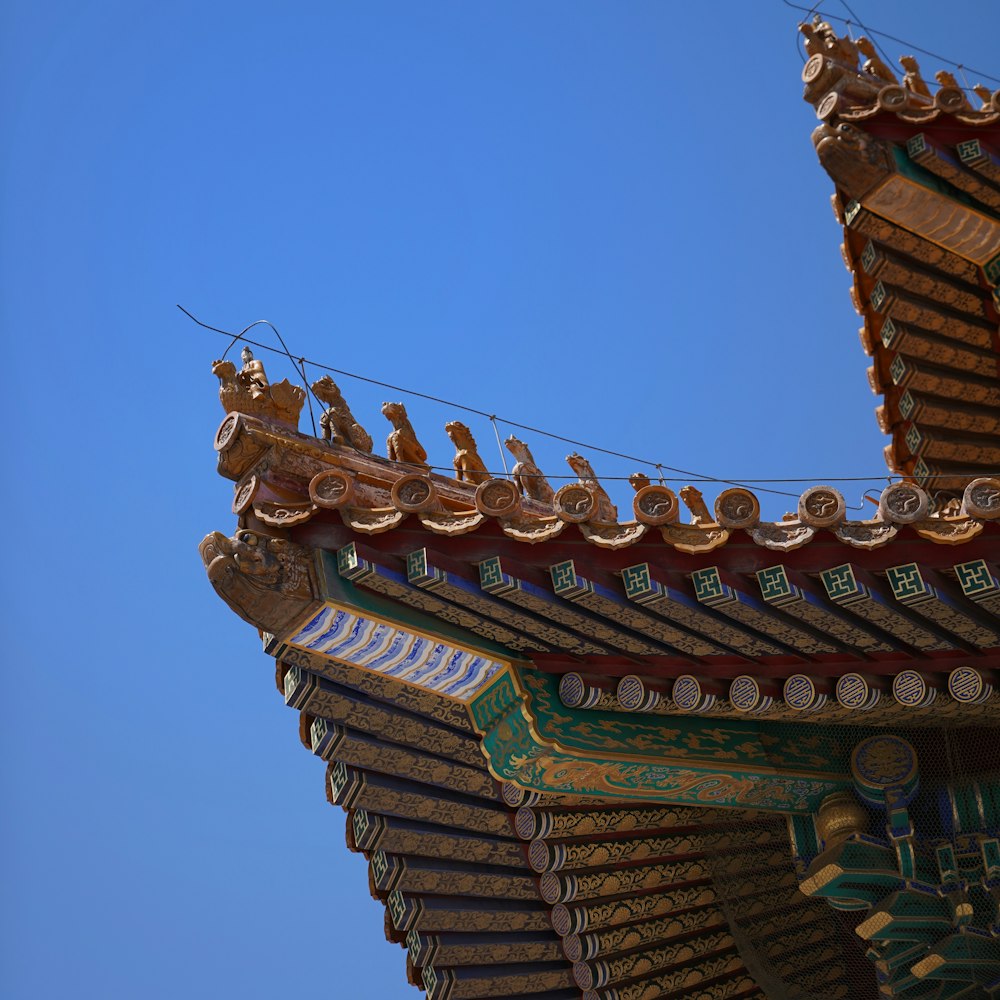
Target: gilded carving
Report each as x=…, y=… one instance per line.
x=389, y=690
x=680, y=979
x=328, y=704
x=533, y=530
x=947, y=530
x=372, y=522
x=857, y=161
x=469, y=467
x=607, y=914
x=351, y=788
x=337, y=422
x=656, y=505
x=695, y=503
x=402, y=444
x=269, y=582
x=612, y=536
x=498, y=498
x=643, y=963
x=434, y=914
x=579, y=947
x=737, y=508
x=574, y=503
x=982, y=498
x=785, y=536
x=244, y=493
x=414, y=493
x=331, y=489
x=283, y=515
x=537, y=822
x=371, y=754
x=821, y=507
x=527, y=476
x=451, y=522
x=248, y=391
x=693, y=539
x=604, y=510
x=445, y=845
x=865, y=534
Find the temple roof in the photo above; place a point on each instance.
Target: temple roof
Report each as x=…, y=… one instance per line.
x=917, y=172
x=568, y=738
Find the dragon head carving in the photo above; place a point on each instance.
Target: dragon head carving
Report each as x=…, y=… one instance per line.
x=267, y=581
x=855, y=160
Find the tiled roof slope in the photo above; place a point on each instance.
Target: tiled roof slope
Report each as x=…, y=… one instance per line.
x=918, y=193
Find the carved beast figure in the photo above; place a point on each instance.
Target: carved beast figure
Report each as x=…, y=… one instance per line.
x=469, y=467
x=337, y=422
x=606, y=510
x=527, y=476
x=266, y=581
x=402, y=444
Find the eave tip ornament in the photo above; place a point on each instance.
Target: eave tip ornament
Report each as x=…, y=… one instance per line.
x=249, y=391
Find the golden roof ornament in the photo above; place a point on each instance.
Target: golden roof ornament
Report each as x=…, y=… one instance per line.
x=469, y=467
x=337, y=422
x=402, y=444
x=527, y=476
x=606, y=511
x=914, y=81
x=249, y=391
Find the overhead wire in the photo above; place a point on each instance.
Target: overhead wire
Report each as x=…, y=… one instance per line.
x=687, y=475
x=861, y=24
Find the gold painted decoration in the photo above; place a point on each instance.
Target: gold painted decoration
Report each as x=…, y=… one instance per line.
x=244, y=493
x=737, y=509
x=451, y=522
x=616, y=536
x=413, y=493
x=821, y=507
x=865, y=534
x=694, y=539
x=656, y=505
x=283, y=515
x=498, y=498
x=331, y=489
x=785, y=536
x=372, y=522
x=982, y=498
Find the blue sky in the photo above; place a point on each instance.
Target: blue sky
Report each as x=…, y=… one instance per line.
x=605, y=220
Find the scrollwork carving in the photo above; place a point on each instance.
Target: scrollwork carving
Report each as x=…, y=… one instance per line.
x=413, y=493
x=903, y=503
x=737, y=508
x=244, y=493
x=821, y=507
x=866, y=534
x=982, y=498
x=656, y=505
x=283, y=515
x=498, y=498
x=574, y=503
x=604, y=510
x=331, y=488
x=783, y=536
